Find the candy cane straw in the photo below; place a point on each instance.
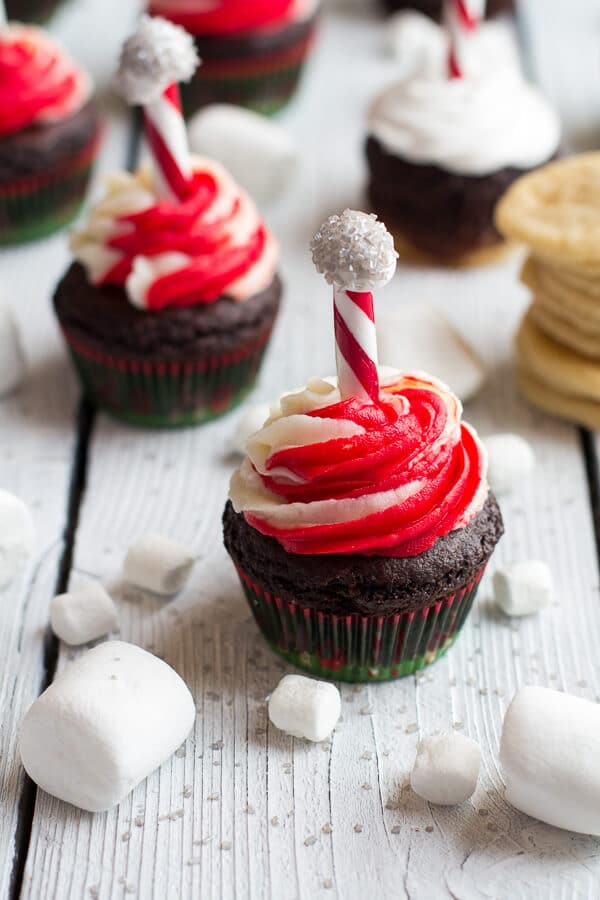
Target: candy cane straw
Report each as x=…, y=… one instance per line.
x=462, y=18
x=153, y=60
x=355, y=253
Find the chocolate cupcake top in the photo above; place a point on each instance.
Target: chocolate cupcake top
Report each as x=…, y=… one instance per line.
x=39, y=82
x=232, y=17
x=332, y=476
x=486, y=120
x=170, y=253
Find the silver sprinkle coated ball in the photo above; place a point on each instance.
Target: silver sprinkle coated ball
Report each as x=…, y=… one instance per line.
x=157, y=54
x=354, y=251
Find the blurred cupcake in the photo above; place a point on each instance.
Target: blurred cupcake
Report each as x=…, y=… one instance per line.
x=171, y=301
x=360, y=521
x=434, y=8
x=31, y=10
x=49, y=134
x=448, y=138
x=252, y=53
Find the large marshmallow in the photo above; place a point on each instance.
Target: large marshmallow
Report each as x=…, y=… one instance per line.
x=304, y=707
x=550, y=756
x=416, y=336
x=17, y=535
x=84, y=614
x=12, y=359
x=446, y=769
x=259, y=154
x=523, y=588
x=250, y=420
x=511, y=461
x=158, y=564
x=105, y=723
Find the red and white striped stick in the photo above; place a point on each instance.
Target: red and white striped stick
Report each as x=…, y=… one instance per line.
x=462, y=19
x=355, y=253
x=355, y=344
x=166, y=135
x=153, y=60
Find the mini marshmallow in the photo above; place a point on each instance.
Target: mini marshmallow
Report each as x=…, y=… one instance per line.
x=17, y=535
x=304, y=707
x=510, y=461
x=12, y=359
x=550, y=757
x=158, y=564
x=259, y=154
x=251, y=419
x=83, y=615
x=523, y=588
x=416, y=336
x=446, y=769
x=106, y=722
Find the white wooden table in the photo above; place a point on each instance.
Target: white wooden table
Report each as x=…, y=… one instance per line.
x=242, y=811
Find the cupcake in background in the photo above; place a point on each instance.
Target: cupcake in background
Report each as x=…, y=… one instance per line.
x=434, y=8
x=31, y=10
x=449, y=137
x=173, y=294
x=360, y=521
x=252, y=53
x=49, y=134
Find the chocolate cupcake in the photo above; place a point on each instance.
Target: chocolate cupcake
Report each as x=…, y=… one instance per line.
x=434, y=8
x=442, y=150
x=252, y=53
x=360, y=521
x=168, y=308
x=49, y=135
x=31, y=10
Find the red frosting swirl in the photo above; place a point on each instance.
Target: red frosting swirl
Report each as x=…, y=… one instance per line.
x=206, y=17
x=409, y=474
x=181, y=253
x=38, y=81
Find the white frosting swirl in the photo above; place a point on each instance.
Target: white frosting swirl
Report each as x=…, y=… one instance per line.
x=488, y=120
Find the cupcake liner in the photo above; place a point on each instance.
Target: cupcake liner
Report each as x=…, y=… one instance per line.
x=359, y=648
x=158, y=394
x=263, y=83
x=35, y=206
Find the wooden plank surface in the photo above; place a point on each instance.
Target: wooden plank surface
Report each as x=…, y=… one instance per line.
x=241, y=810
x=38, y=427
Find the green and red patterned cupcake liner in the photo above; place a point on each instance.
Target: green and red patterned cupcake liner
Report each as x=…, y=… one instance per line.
x=263, y=83
x=35, y=206
x=359, y=648
x=155, y=394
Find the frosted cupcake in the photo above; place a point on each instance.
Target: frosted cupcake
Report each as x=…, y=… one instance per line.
x=49, y=134
x=171, y=300
x=448, y=138
x=252, y=53
x=360, y=521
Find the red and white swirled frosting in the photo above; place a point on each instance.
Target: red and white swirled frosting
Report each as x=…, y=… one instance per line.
x=165, y=253
x=38, y=81
x=229, y=17
x=326, y=475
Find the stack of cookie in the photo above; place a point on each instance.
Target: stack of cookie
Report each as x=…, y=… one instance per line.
x=555, y=211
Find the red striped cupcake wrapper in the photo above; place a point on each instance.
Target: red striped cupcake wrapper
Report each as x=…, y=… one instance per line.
x=36, y=205
x=358, y=648
x=264, y=83
x=167, y=394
